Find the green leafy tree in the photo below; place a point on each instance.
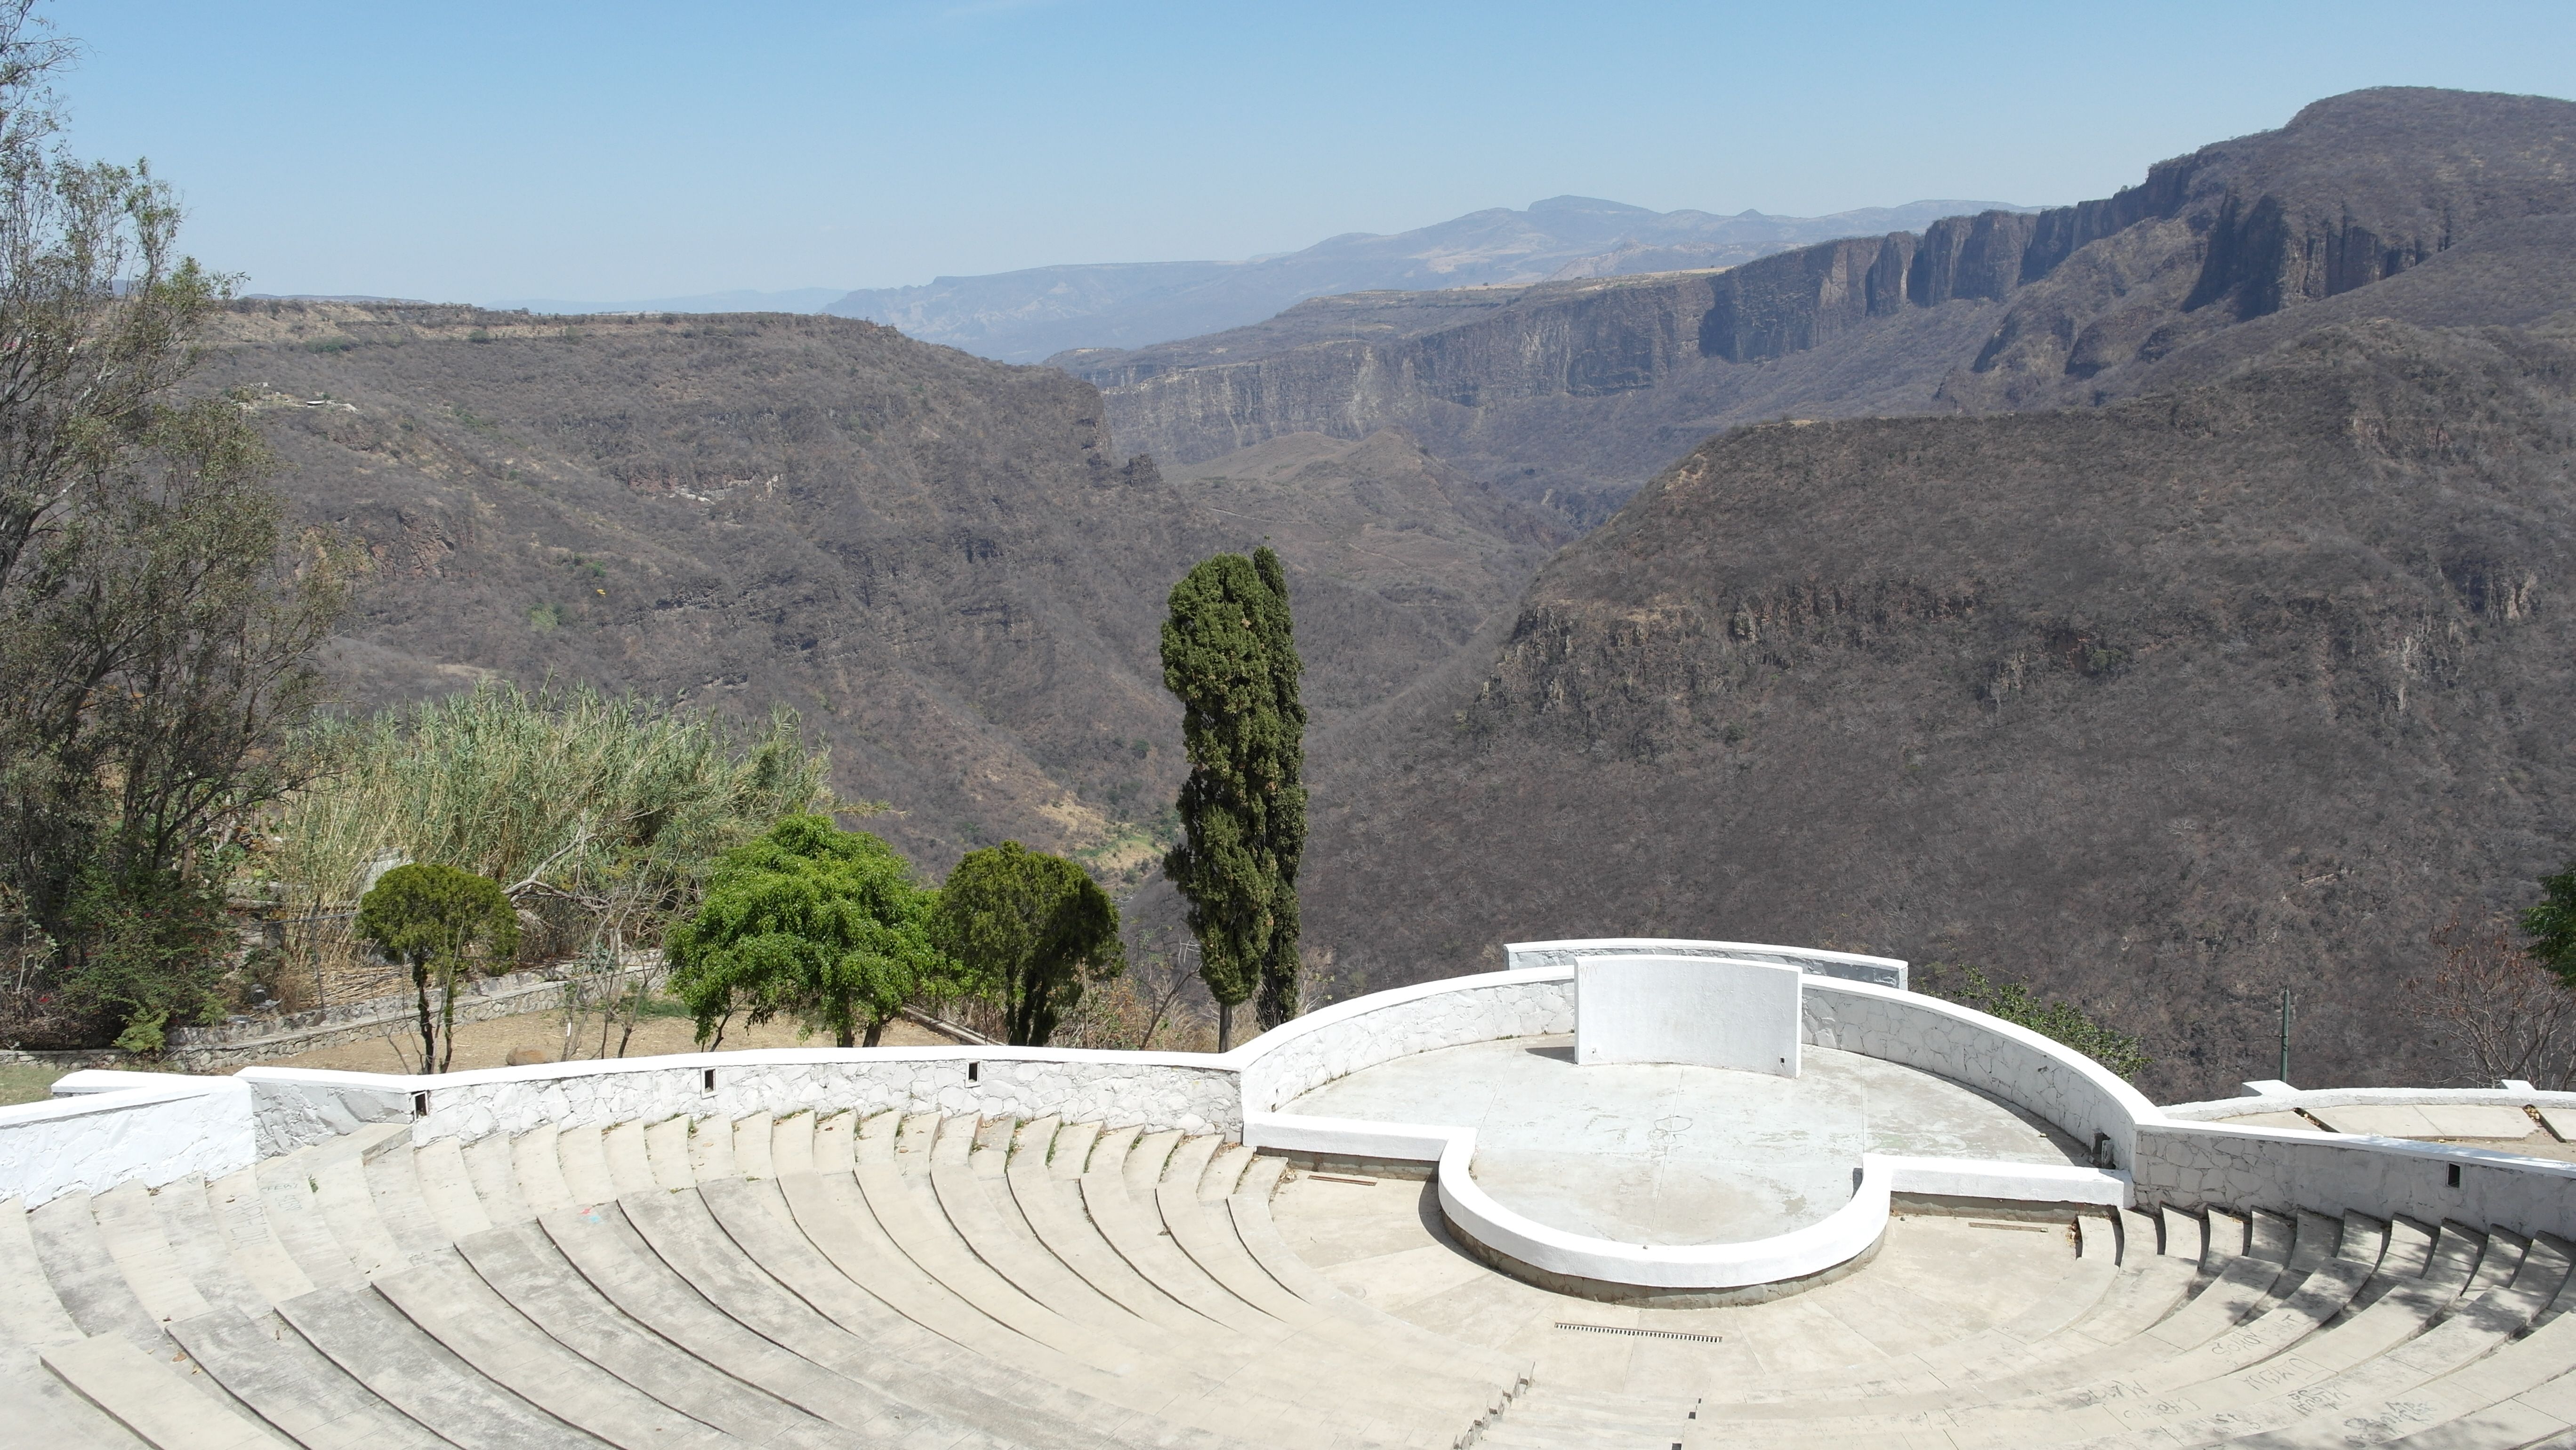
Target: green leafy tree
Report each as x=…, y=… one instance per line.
x=443, y=923
x=1031, y=930
x=2064, y=1021
x=156, y=630
x=2551, y=924
x=1230, y=656
x=823, y=924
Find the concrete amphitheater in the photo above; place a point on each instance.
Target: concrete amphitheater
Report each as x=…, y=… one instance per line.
x=1626, y=1193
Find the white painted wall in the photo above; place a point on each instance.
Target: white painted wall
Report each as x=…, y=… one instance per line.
x=2191, y=1165
x=92, y=1141
x=2080, y=1096
x=1188, y=1091
x=1705, y=1011
x=1879, y=971
x=1297, y=1057
x=2319, y=1098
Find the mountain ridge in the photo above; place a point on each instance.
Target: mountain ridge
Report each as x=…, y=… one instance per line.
x=1033, y=313
x=1583, y=389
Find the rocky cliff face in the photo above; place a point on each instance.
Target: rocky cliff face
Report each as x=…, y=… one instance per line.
x=1573, y=391
x=2163, y=706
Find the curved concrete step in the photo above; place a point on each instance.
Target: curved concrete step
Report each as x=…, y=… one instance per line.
x=1142, y=1406
x=1249, y=1213
x=289, y=1199
x=781, y=1283
x=162, y=1404
x=1253, y=1371
x=974, y=1196
x=2369, y=1356
x=1210, y=1242
x=371, y=1341
x=891, y=1402
x=197, y=1242
x=130, y=1229
x=31, y=1313
x=523, y=1267
x=42, y=1410
x=240, y=1213
x=451, y=1304
x=2104, y=1386
x=86, y=1278
x=266, y=1365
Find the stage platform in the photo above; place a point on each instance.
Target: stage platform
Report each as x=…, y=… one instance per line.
x=1673, y=1155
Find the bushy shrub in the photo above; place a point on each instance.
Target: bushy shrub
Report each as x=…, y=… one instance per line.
x=2064, y=1021
x=821, y=924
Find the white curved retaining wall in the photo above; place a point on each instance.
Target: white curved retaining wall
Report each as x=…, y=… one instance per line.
x=2079, y=1095
x=92, y=1141
x=1297, y=1057
x=2192, y=1165
x=2313, y=1098
x=1879, y=971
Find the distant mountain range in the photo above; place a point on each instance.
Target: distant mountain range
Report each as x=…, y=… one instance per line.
x=794, y=299
x=1030, y=315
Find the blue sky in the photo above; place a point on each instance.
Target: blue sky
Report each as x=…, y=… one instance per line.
x=470, y=151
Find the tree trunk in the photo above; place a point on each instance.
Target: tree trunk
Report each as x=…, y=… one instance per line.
x=447, y=1020
x=428, y=1025
x=876, y=1031
x=1225, y=1026
x=844, y=1037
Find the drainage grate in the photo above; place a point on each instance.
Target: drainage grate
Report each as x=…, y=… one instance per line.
x=1342, y=1178
x=2027, y=1228
x=1642, y=1333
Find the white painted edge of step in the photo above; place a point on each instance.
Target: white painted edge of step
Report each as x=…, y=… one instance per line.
x=1838, y=1238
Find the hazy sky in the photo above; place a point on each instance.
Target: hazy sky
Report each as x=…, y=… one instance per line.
x=469, y=151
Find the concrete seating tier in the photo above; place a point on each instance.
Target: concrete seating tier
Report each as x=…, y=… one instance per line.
x=2135, y=1329
x=982, y=1284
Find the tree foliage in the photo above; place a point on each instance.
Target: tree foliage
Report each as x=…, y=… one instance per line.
x=2064, y=1021
x=156, y=631
x=1230, y=656
x=2496, y=1010
x=618, y=805
x=2551, y=924
x=443, y=923
x=819, y=923
x=1029, y=929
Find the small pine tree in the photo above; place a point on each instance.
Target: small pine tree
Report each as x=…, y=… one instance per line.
x=1230, y=656
x=442, y=922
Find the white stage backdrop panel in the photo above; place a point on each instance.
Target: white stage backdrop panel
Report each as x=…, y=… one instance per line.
x=1706, y=1011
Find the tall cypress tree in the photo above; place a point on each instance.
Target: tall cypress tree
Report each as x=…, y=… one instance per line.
x=1230, y=656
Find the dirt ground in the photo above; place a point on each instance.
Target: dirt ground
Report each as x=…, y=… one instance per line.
x=488, y=1044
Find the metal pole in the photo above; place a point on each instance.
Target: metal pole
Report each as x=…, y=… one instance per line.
x=2285, y=1034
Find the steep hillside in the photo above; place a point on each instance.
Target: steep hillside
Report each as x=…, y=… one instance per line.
x=937, y=559
x=2164, y=705
x=1026, y=315
x=1575, y=391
